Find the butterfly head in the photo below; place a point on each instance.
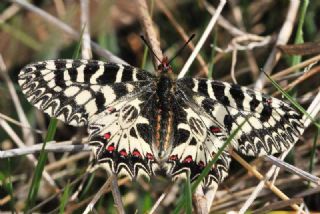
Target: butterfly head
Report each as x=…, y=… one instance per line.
x=164, y=66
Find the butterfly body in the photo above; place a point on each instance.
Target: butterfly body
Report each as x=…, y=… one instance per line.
x=139, y=123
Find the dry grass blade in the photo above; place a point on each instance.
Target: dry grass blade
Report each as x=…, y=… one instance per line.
x=85, y=23
x=67, y=29
x=282, y=39
x=149, y=31
x=278, y=205
x=245, y=36
x=185, y=37
x=52, y=147
x=98, y=195
x=203, y=38
x=293, y=169
x=30, y=157
x=27, y=133
x=264, y=181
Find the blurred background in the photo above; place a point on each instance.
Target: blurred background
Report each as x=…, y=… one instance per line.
x=244, y=39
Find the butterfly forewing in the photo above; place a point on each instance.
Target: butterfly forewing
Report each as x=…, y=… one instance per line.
x=74, y=90
x=272, y=125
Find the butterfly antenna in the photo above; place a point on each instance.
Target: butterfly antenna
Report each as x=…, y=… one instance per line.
x=180, y=50
x=149, y=47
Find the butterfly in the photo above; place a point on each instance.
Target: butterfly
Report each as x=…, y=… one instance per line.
x=139, y=123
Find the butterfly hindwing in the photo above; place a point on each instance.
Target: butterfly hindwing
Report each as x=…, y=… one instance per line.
x=122, y=135
x=272, y=126
x=196, y=141
x=74, y=90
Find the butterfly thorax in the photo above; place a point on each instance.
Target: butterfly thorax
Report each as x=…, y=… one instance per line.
x=164, y=116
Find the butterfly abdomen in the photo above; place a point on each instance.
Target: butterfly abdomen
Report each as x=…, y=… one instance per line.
x=164, y=114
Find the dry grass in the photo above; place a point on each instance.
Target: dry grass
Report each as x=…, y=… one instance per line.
x=244, y=39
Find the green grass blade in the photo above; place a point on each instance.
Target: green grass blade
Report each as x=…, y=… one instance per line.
x=35, y=184
x=205, y=172
x=78, y=48
x=299, y=35
x=207, y=169
x=8, y=185
x=144, y=58
x=87, y=186
x=188, y=196
x=313, y=151
x=64, y=199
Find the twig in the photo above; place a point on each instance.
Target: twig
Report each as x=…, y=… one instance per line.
x=233, y=66
x=300, y=79
x=288, y=167
x=278, y=205
x=116, y=195
x=202, y=39
x=58, y=192
x=13, y=121
x=303, y=64
x=185, y=37
x=67, y=29
x=283, y=38
x=9, y=12
x=264, y=181
x=313, y=110
x=147, y=24
x=224, y=22
x=50, y=147
x=156, y=205
x=85, y=23
x=64, y=161
x=98, y=195
x=6, y=127
x=27, y=134
x=235, y=9
x=74, y=207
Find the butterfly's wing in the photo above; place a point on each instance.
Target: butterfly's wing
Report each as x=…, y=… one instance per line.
x=272, y=126
x=195, y=143
x=75, y=90
x=123, y=134
x=110, y=98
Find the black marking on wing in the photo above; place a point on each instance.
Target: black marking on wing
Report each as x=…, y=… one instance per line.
x=272, y=127
x=73, y=90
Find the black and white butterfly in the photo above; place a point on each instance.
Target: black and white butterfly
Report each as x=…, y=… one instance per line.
x=139, y=123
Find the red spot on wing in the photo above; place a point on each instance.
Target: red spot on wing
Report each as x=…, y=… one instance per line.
x=123, y=153
x=269, y=101
x=110, y=148
x=173, y=157
x=107, y=135
x=136, y=153
x=111, y=109
x=149, y=156
x=201, y=164
x=215, y=129
x=188, y=159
